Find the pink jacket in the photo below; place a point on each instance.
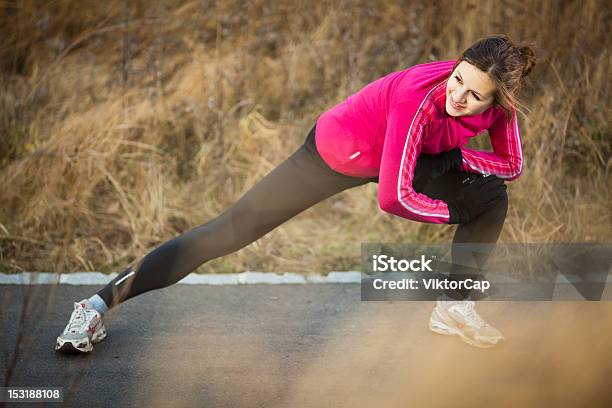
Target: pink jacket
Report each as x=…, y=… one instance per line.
x=381, y=130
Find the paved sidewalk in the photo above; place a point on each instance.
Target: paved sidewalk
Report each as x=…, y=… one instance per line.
x=307, y=346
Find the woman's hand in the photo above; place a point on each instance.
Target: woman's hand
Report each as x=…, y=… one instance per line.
x=431, y=166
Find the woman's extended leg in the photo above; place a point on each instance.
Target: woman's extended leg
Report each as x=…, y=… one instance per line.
x=299, y=182
x=295, y=185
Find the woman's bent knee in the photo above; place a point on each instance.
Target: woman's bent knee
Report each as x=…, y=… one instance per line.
x=500, y=204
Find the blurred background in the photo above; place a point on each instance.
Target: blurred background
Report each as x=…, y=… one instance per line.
x=125, y=123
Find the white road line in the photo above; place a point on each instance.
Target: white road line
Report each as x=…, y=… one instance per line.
x=244, y=278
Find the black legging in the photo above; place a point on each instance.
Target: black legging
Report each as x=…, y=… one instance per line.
x=298, y=183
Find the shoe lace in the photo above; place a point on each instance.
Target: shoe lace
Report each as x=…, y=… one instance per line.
x=471, y=315
x=78, y=319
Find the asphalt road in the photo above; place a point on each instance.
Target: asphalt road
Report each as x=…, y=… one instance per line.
x=305, y=346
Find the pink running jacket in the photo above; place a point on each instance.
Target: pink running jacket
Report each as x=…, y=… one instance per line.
x=381, y=130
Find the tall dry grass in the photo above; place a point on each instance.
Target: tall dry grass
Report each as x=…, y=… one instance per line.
x=124, y=123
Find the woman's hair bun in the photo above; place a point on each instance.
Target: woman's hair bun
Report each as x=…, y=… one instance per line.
x=529, y=56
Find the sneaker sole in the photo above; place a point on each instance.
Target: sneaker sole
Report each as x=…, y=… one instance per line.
x=80, y=346
x=446, y=330
x=73, y=346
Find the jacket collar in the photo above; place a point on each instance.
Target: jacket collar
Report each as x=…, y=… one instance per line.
x=438, y=97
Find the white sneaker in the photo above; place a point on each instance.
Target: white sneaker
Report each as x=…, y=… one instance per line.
x=84, y=329
x=459, y=318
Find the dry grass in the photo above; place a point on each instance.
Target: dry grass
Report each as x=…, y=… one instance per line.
x=125, y=123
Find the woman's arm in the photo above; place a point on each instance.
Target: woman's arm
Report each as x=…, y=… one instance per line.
x=401, y=149
x=506, y=160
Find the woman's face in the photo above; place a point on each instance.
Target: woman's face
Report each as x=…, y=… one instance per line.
x=469, y=91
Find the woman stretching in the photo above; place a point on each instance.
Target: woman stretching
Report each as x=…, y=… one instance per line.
x=404, y=131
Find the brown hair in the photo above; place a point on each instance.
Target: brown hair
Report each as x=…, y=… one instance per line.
x=506, y=63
